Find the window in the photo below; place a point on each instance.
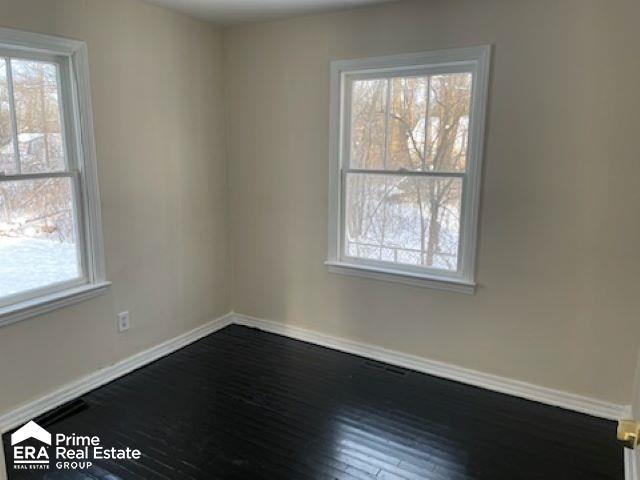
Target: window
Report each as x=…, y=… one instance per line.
x=407, y=134
x=50, y=238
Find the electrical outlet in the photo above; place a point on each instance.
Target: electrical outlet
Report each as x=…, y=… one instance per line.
x=123, y=322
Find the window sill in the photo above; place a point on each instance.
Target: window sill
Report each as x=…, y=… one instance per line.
x=47, y=303
x=396, y=276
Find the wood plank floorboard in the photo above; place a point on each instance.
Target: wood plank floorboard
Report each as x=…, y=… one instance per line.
x=245, y=404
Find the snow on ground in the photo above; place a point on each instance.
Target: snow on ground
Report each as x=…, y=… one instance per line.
x=401, y=236
x=28, y=263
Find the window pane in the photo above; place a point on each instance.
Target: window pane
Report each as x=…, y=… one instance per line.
x=38, y=245
x=448, y=129
x=407, y=220
x=368, y=118
x=35, y=88
x=407, y=123
x=378, y=143
x=7, y=152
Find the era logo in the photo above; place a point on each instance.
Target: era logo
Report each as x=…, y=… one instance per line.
x=27, y=456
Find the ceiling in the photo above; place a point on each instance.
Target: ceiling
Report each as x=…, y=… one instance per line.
x=239, y=11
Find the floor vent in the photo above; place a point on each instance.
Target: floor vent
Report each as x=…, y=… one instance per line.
x=60, y=413
x=388, y=368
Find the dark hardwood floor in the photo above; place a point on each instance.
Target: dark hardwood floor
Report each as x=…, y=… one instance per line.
x=244, y=404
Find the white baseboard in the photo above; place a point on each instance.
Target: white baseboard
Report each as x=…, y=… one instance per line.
x=630, y=465
x=94, y=380
x=496, y=383
x=569, y=401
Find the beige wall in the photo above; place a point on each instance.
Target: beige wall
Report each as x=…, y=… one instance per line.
x=558, y=266
x=159, y=125
x=558, y=270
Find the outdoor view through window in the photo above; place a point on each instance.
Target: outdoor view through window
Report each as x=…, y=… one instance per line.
x=407, y=157
x=38, y=239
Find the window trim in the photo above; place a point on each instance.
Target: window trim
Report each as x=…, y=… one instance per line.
x=474, y=59
x=72, y=57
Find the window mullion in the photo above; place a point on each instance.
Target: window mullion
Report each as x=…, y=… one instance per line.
x=407, y=173
x=38, y=176
x=427, y=125
x=14, y=119
x=386, y=124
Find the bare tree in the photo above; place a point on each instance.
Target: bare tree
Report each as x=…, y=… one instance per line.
x=33, y=207
x=410, y=123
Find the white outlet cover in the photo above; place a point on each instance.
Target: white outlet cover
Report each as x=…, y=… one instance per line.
x=123, y=321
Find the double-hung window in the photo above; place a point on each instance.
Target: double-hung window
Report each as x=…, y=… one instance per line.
x=50, y=238
x=407, y=134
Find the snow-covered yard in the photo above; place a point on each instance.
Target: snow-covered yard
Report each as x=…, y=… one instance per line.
x=394, y=236
x=28, y=263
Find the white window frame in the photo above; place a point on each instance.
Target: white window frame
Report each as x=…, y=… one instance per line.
x=75, y=101
x=475, y=60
